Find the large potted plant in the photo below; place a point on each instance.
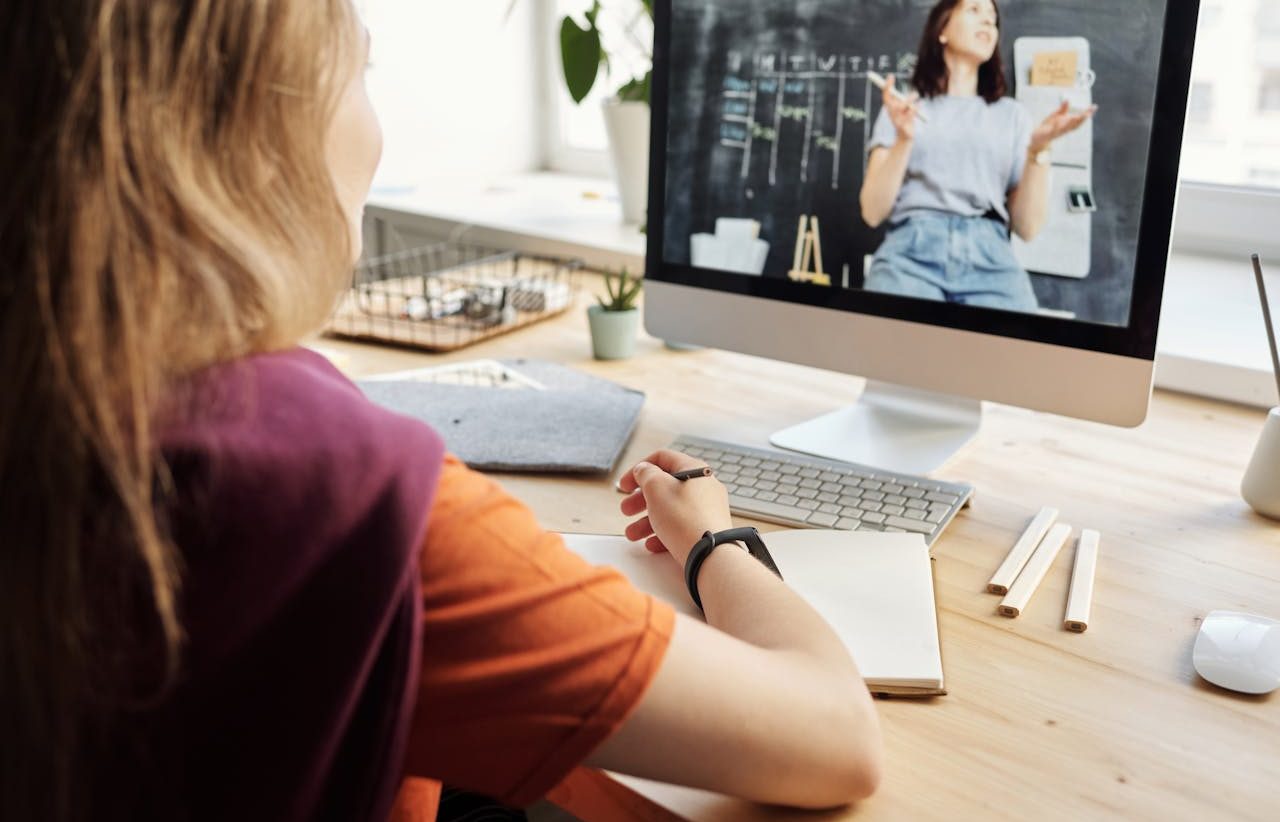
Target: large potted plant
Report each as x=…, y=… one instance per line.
x=584, y=55
x=615, y=319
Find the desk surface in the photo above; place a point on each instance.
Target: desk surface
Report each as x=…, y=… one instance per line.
x=1040, y=723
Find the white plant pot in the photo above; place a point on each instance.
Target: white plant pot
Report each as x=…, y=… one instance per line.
x=627, y=125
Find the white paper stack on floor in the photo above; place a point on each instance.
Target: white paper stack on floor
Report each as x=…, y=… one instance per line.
x=875, y=590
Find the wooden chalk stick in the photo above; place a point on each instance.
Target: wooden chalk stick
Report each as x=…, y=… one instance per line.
x=1020, y=594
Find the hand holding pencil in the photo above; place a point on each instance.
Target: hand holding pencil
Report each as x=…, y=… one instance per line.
x=681, y=498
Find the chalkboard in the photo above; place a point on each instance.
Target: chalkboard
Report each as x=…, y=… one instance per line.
x=770, y=109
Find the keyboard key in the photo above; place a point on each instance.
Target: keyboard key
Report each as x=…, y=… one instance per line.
x=873, y=496
x=873, y=518
x=829, y=508
x=747, y=493
x=810, y=483
x=829, y=476
x=746, y=482
x=945, y=499
x=848, y=524
x=913, y=493
x=910, y=525
x=893, y=488
x=936, y=516
x=809, y=473
x=787, y=499
x=913, y=513
x=808, y=504
x=749, y=472
x=869, y=505
x=827, y=498
x=854, y=513
x=918, y=504
x=770, y=496
x=822, y=520
x=750, y=462
x=807, y=493
x=850, y=499
x=892, y=510
x=770, y=509
x=789, y=470
x=895, y=499
x=872, y=485
x=770, y=465
x=787, y=488
x=889, y=529
x=772, y=476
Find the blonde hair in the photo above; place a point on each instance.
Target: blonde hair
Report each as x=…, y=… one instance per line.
x=169, y=207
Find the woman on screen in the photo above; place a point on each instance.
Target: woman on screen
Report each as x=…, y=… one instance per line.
x=955, y=165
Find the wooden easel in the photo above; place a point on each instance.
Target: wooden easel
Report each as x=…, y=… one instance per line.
x=808, y=245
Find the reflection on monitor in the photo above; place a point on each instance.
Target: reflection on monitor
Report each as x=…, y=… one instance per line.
x=999, y=168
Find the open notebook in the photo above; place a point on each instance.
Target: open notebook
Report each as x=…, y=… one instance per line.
x=875, y=590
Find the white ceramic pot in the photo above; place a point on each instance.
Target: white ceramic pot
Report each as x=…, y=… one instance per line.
x=1261, y=486
x=613, y=333
x=628, y=127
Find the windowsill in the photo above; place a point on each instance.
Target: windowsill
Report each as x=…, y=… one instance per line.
x=1212, y=340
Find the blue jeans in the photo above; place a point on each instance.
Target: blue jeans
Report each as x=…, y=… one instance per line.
x=966, y=260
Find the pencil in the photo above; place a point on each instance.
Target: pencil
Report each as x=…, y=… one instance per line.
x=1080, y=600
x=1013, y=564
x=1266, y=316
x=693, y=473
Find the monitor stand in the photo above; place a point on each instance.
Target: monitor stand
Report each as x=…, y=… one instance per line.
x=893, y=427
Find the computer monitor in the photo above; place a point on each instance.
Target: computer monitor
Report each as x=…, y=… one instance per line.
x=995, y=239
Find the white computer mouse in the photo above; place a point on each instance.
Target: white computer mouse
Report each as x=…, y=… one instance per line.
x=1240, y=652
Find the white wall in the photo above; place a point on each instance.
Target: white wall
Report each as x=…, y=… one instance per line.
x=456, y=87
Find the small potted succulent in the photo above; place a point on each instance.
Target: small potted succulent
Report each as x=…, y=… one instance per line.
x=615, y=320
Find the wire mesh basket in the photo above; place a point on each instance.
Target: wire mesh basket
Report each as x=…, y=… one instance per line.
x=448, y=295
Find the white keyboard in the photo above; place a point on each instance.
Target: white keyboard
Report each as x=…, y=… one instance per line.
x=812, y=492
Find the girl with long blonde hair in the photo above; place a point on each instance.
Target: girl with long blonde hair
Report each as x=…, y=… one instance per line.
x=230, y=587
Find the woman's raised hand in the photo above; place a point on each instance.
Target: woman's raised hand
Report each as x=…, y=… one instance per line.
x=902, y=110
x=1060, y=122
x=678, y=512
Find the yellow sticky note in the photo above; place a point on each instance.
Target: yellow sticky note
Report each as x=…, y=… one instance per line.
x=1054, y=68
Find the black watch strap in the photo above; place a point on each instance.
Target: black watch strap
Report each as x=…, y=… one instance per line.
x=703, y=548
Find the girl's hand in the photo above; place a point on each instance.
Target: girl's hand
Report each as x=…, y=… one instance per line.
x=679, y=512
x=902, y=112
x=1057, y=124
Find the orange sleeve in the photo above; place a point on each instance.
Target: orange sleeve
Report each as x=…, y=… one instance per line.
x=531, y=656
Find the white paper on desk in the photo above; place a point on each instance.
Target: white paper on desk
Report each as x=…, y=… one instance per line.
x=875, y=590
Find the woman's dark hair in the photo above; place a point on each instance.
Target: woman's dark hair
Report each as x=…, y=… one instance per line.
x=931, y=75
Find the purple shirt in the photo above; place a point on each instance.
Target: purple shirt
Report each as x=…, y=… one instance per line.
x=299, y=511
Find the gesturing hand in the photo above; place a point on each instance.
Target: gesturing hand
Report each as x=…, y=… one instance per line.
x=679, y=512
x=902, y=112
x=1060, y=122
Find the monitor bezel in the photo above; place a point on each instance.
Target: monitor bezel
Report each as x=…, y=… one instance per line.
x=1136, y=339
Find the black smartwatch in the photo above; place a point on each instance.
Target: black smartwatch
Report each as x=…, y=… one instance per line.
x=703, y=548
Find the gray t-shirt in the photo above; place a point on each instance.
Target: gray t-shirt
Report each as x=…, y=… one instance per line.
x=965, y=160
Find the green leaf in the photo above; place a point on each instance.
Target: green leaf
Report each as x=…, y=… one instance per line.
x=636, y=91
x=581, y=54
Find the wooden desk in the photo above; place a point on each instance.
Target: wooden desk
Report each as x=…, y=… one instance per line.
x=1040, y=723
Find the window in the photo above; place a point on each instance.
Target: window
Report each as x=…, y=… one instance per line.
x=576, y=134
x=1200, y=109
x=1269, y=92
x=1268, y=19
